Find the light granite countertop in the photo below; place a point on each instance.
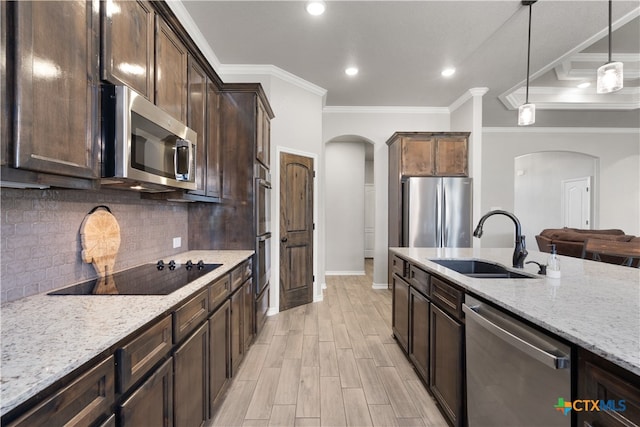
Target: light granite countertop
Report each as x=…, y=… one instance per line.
x=593, y=305
x=45, y=337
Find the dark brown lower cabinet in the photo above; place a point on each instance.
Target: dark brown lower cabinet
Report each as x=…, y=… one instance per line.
x=419, y=307
x=446, y=375
x=82, y=403
x=616, y=389
x=219, y=352
x=248, y=314
x=190, y=380
x=237, y=345
x=400, y=312
x=152, y=403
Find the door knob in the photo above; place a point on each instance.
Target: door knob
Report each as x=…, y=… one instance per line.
x=284, y=239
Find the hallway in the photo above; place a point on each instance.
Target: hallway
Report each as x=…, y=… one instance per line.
x=331, y=363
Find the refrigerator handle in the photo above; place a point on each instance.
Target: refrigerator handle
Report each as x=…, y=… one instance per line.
x=444, y=221
x=439, y=215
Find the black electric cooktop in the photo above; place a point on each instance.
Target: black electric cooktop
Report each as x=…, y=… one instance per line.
x=147, y=279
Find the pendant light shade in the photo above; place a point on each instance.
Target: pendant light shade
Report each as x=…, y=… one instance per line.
x=526, y=114
x=527, y=111
x=609, y=77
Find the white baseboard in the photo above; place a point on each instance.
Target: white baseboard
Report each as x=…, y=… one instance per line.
x=344, y=273
x=318, y=298
x=324, y=285
x=380, y=286
x=272, y=311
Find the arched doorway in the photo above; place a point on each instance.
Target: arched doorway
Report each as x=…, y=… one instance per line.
x=349, y=198
x=541, y=182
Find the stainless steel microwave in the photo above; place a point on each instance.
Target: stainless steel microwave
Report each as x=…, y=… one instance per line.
x=143, y=147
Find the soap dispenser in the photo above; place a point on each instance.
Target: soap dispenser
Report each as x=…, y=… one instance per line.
x=553, y=265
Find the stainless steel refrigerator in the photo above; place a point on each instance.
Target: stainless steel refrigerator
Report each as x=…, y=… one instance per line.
x=437, y=212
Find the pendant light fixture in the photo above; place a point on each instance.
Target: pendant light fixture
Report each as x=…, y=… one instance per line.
x=609, y=77
x=527, y=112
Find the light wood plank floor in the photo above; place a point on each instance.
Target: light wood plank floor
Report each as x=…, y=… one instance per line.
x=331, y=363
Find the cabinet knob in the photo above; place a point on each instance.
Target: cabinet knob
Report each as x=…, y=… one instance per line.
x=284, y=239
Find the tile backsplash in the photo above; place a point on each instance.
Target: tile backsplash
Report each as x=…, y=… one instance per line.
x=40, y=235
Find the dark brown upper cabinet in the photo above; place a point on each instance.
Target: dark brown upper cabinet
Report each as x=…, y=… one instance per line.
x=430, y=153
x=54, y=88
x=171, y=71
x=197, y=120
x=263, y=136
x=128, y=38
x=203, y=118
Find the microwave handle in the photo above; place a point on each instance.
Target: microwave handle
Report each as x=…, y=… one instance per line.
x=181, y=145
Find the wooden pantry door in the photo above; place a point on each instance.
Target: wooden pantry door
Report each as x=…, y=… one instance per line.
x=296, y=230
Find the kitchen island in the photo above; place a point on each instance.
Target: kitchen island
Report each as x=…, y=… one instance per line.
x=481, y=333
x=45, y=337
x=593, y=305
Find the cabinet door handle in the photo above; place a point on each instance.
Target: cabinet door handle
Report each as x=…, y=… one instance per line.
x=284, y=239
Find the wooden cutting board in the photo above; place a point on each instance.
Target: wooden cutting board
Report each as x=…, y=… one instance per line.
x=100, y=237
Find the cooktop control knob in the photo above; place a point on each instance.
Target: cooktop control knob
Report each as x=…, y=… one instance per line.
x=200, y=265
x=160, y=265
x=189, y=265
x=172, y=265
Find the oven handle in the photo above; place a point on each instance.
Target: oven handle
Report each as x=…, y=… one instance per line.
x=264, y=183
x=264, y=237
x=541, y=355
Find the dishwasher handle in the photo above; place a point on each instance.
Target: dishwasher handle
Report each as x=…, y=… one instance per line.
x=543, y=356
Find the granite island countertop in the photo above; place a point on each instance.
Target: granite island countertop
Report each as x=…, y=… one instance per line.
x=45, y=337
x=593, y=305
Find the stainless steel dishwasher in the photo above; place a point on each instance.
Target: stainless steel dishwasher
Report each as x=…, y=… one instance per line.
x=515, y=374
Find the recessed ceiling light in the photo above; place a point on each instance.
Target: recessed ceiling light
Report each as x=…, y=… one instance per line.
x=316, y=7
x=448, y=72
x=584, y=85
x=351, y=71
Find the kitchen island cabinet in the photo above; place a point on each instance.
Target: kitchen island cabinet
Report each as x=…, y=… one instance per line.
x=616, y=389
x=576, y=309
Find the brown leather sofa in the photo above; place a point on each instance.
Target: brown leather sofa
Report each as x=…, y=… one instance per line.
x=571, y=242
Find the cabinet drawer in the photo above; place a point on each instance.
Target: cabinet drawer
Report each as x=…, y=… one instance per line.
x=399, y=266
x=597, y=382
x=140, y=355
x=446, y=297
x=219, y=291
x=81, y=403
x=419, y=279
x=190, y=315
x=240, y=274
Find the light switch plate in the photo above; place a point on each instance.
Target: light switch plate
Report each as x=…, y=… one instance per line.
x=177, y=242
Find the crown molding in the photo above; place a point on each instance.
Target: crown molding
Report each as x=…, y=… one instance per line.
x=474, y=91
x=177, y=7
x=385, y=110
x=602, y=130
x=271, y=70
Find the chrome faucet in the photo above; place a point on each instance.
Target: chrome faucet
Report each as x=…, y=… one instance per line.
x=520, y=251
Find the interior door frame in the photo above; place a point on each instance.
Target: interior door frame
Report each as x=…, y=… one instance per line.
x=274, y=303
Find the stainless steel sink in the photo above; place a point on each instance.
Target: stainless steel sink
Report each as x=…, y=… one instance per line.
x=481, y=269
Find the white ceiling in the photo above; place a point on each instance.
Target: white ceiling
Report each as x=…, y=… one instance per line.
x=400, y=48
